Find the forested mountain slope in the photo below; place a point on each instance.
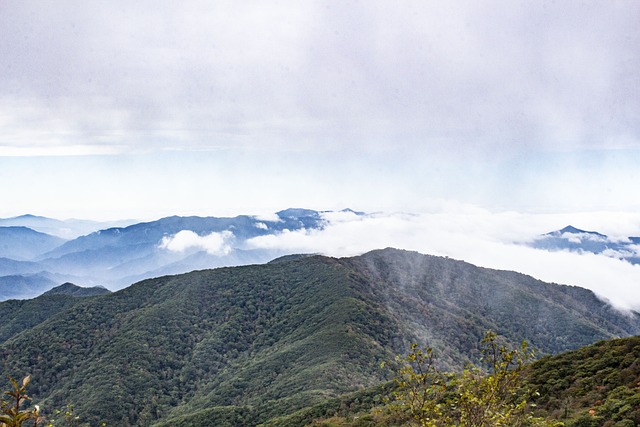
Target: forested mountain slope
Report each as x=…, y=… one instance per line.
x=596, y=385
x=18, y=316
x=247, y=344
x=450, y=304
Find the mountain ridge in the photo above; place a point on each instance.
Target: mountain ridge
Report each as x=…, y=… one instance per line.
x=574, y=239
x=118, y=256
x=73, y=290
x=271, y=339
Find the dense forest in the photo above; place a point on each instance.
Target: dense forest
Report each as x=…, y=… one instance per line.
x=594, y=386
x=285, y=343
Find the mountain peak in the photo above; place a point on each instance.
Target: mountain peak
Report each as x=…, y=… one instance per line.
x=70, y=289
x=29, y=216
x=573, y=230
x=296, y=213
x=349, y=210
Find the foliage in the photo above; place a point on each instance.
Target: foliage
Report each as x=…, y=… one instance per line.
x=65, y=417
x=13, y=413
x=595, y=386
x=19, y=315
x=598, y=385
x=279, y=341
x=213, y=417
x=472, y=398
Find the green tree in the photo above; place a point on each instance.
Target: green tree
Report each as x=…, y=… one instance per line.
x=473, y=398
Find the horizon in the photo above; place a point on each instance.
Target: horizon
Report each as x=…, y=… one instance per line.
x=112, y=110
x=466, y=127
x=483, y=238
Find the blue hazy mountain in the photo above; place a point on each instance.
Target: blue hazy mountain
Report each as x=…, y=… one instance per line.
x=118, y=256
x=11, y=267
x=24, y=286
x=23, y=244
x=65, y=229
x=121, y=255
x=576, y=240
x=151, y=233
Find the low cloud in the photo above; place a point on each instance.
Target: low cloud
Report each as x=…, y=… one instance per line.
x=581, y=237
x=269, y=217
x=215, y=243
x=480, y=237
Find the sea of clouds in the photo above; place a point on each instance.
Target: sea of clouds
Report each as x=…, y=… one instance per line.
x=483, y=238
x=475, y=235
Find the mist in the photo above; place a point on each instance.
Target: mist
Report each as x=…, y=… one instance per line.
x=483, y=238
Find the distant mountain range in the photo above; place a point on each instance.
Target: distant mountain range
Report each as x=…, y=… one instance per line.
x=576, y=240
x=67, y=229
x=22, y=243
x=32, y=261
x=242, y=346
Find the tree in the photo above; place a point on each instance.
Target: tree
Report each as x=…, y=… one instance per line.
x=12, y=413
x=473, y=398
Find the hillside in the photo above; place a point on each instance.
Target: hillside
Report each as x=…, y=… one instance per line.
x=595, y=386
x=447, y=295
x=18, y=316
x=77, y=291
x=603, y=378
x=250, y=343
x=118, y=256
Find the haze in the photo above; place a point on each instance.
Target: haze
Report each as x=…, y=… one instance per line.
x=114, y=110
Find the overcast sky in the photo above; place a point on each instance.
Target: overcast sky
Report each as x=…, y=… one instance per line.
x=489, y=121
x=141, y=109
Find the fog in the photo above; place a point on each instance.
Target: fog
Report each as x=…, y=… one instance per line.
x=494, y=240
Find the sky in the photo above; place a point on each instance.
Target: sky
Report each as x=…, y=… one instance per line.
x=118, y=110
x=517, y=109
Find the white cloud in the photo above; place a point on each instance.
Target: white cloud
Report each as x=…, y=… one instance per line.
x=267, y=216
x=476, y=236
x=304, y=73
x=340, y=216
x=581, y=237
x=185, y=240
x=525, y=105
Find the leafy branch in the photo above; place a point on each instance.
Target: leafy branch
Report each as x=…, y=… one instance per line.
x=472, y=398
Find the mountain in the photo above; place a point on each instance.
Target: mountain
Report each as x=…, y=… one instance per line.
x=595, y=385
x=12, y=267
x=23, y=244
x=77, y=291
x=118, y=256
x=151, y=233
x=67, y=229
x=574, y=239
x=244, y=345
x=18, y=316
x=24, y=286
